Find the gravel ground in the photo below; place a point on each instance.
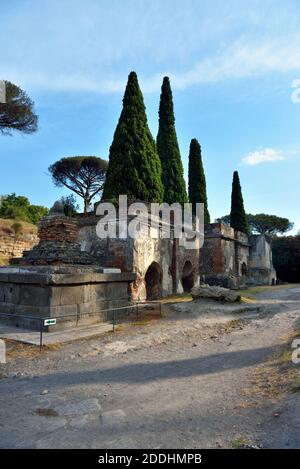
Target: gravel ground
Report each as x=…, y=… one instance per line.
x=200, y=377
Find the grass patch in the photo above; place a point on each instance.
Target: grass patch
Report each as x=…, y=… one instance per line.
x=248, y=300
x=240, y=442
x=7, y=224
x=177, y=298
x=277, y=376
x=16, y=349
x=141, y=322
x=253, y=291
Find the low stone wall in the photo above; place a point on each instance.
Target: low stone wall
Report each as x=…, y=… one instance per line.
x=14, y=246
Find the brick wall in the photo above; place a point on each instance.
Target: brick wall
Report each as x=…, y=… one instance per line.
x=60, y=229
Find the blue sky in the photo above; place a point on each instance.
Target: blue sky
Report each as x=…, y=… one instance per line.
x=231, y=65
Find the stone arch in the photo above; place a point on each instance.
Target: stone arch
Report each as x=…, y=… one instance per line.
x=153, y=281
x=188, y=276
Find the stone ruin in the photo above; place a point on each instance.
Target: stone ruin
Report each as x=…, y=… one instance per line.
x=163, y=266
x=58, y=244
x=232, y=259
x=56, y=279
x=72, y=272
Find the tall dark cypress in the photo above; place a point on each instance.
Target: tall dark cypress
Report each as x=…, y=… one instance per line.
x=134, y=165
x=238, y=218
x=168, y=149
x=197, y=181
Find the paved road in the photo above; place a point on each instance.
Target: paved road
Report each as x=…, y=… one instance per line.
x=175, y=383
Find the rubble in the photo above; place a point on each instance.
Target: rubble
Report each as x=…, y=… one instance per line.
x=215, y=293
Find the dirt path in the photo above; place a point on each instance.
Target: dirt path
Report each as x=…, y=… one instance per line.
x=189, y=380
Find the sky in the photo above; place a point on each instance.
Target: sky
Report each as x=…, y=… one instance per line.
x=233, y=68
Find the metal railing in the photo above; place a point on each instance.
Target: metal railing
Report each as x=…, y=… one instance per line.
x=114, y=320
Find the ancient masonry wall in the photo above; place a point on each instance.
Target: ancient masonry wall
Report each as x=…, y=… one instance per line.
x=231, y=258
x=58, y=229
x=72, y=295
x=14, y=246
x=261, y=263
x=218, y=255
x=167, y=258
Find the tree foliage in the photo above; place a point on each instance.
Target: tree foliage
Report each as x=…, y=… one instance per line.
x=18, y=207
x=17, y=113
x=168, y=149
x=270, y=225
x=70, y=205
x=134, y=166
x=286, y=257
x=225, y=220
x=261, y=223
x=84, y=175
x=197, y=181
x=238, y=218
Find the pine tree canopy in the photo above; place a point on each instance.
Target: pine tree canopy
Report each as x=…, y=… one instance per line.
x=168, y=149
x=238, y=217
x=134, y=165
x=197, y=181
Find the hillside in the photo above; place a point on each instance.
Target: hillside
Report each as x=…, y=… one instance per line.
x=6, y=227
x=12, y=244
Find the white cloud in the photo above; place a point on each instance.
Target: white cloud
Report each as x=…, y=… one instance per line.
x=245, y=58
x=263, y=155
x=92, y=46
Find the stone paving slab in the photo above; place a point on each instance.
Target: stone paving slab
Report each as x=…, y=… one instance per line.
x=50, y=338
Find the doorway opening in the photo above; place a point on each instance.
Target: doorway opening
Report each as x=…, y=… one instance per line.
x=244, y=269
x=188, y=277
x=153, y=281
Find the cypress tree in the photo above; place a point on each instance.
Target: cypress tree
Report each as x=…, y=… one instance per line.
x=168, y=149
x=197, y=182
x=238, y=218
x=134, y=165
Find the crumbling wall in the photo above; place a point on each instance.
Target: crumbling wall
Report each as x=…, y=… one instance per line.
x=228, y=254
x=224, y=256
x=58, y=243
x=261, y=268
x=242, y=254
x=138, y=255
x=130, y=255
x=13, y=246
x=107, y=252
x=231, y=259
x=58, y=229
x=212, y=253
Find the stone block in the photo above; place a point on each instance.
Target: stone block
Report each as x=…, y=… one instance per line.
x=215, y=293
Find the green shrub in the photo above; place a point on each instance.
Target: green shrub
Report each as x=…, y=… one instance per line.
x=17, y=228
x=18, y=207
